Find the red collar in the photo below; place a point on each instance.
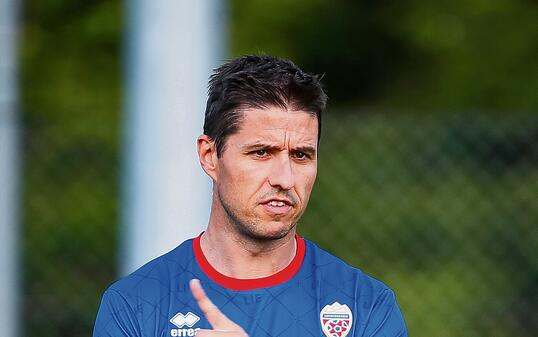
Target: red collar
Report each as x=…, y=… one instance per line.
x=249, y=284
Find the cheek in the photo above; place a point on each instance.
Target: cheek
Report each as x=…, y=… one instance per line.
x=242, y=181
x=308, y=178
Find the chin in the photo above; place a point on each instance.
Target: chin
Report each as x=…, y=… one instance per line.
x=266, y=232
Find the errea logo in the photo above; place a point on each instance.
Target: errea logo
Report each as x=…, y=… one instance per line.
x=180, y=321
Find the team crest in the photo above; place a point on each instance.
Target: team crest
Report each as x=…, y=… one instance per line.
x=336, y=320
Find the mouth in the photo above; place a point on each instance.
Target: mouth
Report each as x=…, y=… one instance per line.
x=277, y=206
x=278, y=201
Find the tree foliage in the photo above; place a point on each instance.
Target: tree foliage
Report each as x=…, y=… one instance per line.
x=413, y=54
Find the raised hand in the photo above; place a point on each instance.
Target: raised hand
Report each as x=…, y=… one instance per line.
x=222, y=325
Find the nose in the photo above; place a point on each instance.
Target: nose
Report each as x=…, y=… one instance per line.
x=281, y=174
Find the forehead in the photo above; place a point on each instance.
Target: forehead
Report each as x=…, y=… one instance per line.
x=275, y=124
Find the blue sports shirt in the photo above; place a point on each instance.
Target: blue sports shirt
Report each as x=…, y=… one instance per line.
x=317, y=294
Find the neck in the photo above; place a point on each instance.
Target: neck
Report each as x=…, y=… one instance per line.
x=237, y=256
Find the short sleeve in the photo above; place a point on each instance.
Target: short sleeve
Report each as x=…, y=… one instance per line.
x=386, y=319
x=116, y=317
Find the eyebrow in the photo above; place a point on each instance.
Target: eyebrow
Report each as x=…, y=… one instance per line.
x=258, y=145
x=305, y=149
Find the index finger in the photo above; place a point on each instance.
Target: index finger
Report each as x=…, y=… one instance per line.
x=215, y=317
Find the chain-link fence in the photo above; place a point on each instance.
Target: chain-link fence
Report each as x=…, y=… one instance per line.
x=441, y=207
x=70, y=222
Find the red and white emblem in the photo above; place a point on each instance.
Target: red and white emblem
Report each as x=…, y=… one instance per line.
x=336, y=320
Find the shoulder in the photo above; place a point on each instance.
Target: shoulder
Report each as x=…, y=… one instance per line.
x=332, y=267
x=157, y=274
x=338, y=280
x=128, y=306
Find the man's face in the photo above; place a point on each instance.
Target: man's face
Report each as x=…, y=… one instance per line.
x=266, y=172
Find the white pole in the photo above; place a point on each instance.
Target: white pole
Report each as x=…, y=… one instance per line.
x=9, y=169
x=172, y=45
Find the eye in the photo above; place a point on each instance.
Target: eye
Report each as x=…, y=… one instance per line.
x=301, y=155
x=260, y=153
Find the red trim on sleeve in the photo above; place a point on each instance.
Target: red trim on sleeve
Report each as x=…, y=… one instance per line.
x=249, y=284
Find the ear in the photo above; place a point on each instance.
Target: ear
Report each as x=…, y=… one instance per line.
x=207, y=154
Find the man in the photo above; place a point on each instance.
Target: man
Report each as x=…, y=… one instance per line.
x=260, y=148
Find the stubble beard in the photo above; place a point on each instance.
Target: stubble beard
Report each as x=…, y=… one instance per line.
x=253, y=230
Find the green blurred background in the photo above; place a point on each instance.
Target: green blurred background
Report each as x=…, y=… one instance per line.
x=428, y=174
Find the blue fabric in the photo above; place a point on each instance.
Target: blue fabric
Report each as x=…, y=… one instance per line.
x=143, y=303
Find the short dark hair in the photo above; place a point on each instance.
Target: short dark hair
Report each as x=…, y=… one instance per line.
x=261, y=82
